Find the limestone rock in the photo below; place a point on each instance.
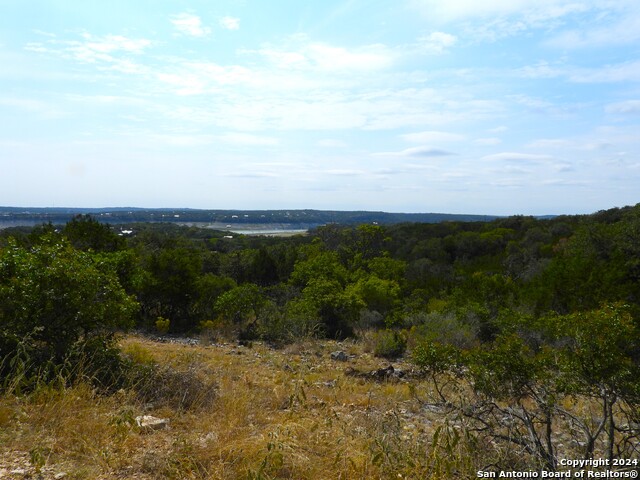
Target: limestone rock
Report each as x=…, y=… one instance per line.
x=339, y=356
x=149, y=423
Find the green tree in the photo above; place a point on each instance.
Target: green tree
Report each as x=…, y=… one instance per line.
x=378, y=294
x=209, y=287
x=241, y=305
x=601, y=360
x=264, y=270
x=336, y=307
x=588, y=269
x=169, y=285
x=86, y=233
x=323, y=264
x=387, y=268
x=369, y=240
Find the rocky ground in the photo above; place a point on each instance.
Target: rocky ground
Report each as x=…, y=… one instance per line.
x=311, y=410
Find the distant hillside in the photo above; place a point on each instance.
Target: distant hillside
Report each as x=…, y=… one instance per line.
x=16, y=216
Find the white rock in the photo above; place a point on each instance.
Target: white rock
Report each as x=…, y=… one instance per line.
x=148, y=423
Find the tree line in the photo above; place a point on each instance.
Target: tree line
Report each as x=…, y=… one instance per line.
x=338, y=280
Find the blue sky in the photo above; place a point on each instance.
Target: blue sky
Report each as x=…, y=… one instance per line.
x=459, y=106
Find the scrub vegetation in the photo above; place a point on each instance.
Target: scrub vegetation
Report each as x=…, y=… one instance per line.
x=399, y=351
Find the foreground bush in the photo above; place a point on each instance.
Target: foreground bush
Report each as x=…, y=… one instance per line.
x=58, y=306
x=537, y=385
x=389, y=344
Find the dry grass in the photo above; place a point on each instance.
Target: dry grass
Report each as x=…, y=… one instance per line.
x=290, y=414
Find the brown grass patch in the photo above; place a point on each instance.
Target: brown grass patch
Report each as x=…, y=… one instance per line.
x=252, y=413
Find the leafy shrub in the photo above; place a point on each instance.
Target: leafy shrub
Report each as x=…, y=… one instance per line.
x=436, y=358
x=389, y=344
x=368, y=319
x=98, y=361
x=445, y=328
x=59, y=308
x=281, y=329
x=205, y=325
x=524, y=389
x=59, y=295
x=95, y=360
x=162, y=325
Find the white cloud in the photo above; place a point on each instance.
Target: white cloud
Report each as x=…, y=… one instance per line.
x=254, y=97
x=281, y=56
x=517, y=157
x=621, y=32
x=424, y=151
x=611, y=73
x=323, y=87
x=598, y=145
x=538, y=105
x=177, y=140
x=331, y=143
x=92, y=48
x=249, y=139
x=549, y=143
x=507, y=183
x=566, y=183
x=563, y=167
x=385, y=172
x=186, y=84
x=189, y=24
x=114, y=43
x=194, y=78
x=600, y=22
x=621, y=72
x=41, y=108
x=512, y=169
x=437, y=42
x=110, y=52
x=626, y=107
x=557, y=10
x=220, y=74
x=430, y=137
x=371, y=57
x=230, y=23
x=283, y=59
x=43, y=33
x=456, y=10
x=486, y=142
x=252, y=174
x=344, y=172
x=541, y=69
x=303, y=54
x=546, y=16
x=530, y=102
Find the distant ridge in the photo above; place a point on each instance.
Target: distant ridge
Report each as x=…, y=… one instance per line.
x=18, y=216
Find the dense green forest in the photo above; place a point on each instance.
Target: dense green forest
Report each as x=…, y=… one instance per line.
x=339, y=279
x=527, y=311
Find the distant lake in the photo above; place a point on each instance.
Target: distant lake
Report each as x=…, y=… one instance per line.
x=269, y=229
x=271, y=233
x=19, y=223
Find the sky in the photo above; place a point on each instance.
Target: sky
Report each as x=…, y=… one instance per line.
x=495, y=107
